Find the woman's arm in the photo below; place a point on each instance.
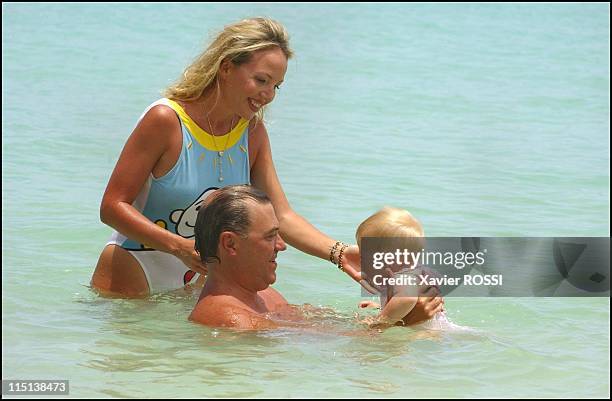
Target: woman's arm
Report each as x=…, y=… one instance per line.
x=293, y=228
x=147, y=146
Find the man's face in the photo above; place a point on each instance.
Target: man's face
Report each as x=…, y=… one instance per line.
x=257, y=253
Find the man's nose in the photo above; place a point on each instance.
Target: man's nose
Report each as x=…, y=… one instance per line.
x=280, y=243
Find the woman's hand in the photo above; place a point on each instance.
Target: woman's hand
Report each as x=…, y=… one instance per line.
x=190, y=257
x=351, y=262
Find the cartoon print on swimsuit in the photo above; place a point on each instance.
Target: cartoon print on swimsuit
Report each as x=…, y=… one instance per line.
x=188, y=276
x=185, y=219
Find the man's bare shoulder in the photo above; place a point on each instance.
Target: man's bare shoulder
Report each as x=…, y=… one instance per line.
x=210, y=307
x=273, y=298
x=227, y=311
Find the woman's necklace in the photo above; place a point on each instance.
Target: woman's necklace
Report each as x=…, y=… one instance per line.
x=220, y=153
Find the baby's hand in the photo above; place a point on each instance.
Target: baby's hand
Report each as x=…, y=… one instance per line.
x=368, y=304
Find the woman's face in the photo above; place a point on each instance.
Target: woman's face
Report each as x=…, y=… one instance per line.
x=251, y=85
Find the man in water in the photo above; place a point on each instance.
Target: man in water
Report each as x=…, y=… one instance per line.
x=237, y=237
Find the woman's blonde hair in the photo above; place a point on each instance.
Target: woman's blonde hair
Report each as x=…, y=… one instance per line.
x=236, y=42
x=391, y=222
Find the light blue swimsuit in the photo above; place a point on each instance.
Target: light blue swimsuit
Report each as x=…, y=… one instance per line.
x=172, y=201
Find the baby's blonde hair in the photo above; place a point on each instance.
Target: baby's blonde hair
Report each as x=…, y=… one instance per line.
x=391, y=222
x=237, y=42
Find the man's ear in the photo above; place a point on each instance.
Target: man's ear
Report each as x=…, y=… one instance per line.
x=229, y=243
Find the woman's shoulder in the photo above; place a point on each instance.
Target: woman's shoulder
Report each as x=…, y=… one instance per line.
x=159, y=120
x=160, y=112
x=256, y=126
x=258, y=135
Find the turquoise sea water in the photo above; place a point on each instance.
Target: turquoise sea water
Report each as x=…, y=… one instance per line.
x=481, y=119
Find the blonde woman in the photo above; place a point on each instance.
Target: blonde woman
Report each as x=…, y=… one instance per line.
x=206, y=133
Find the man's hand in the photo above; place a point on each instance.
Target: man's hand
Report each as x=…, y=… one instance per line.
x=429, y=303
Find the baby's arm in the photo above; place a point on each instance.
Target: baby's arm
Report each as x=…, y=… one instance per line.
x=403, y=300
x=397, y=307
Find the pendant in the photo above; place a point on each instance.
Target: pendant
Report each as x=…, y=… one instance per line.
x=220, y=153
x=220, y=179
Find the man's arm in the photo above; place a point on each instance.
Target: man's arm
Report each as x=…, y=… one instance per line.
x=246, y=320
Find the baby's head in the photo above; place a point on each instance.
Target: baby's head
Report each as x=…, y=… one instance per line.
x=391, y=222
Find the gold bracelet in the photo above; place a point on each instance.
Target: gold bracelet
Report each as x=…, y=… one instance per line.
x=344, y=246
x=333, y=251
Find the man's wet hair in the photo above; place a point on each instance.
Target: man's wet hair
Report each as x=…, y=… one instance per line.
x=224, y=210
